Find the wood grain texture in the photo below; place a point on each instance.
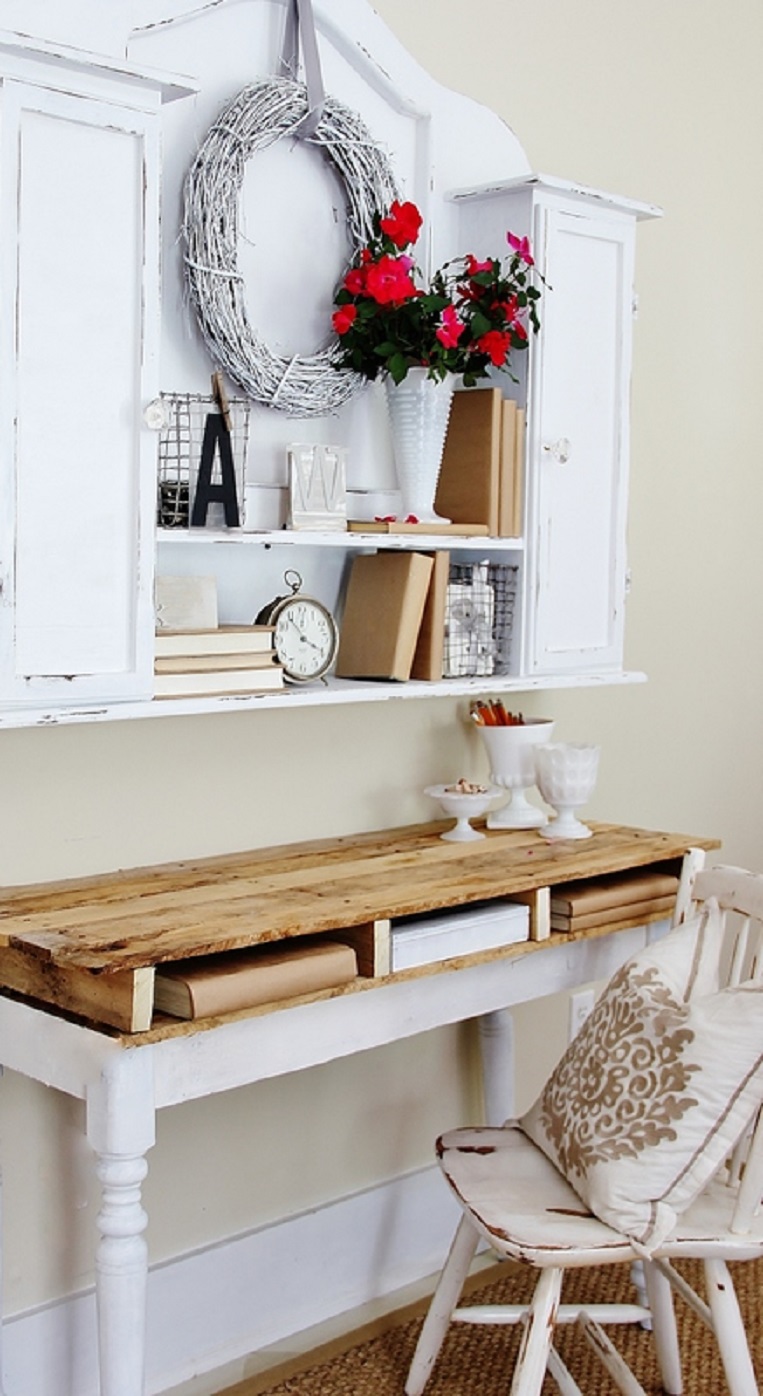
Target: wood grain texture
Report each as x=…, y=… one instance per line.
x=207, y=906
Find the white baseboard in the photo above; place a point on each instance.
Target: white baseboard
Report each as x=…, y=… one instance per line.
x=218, y=1304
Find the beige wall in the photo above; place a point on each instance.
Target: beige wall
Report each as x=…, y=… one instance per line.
x=660, y=102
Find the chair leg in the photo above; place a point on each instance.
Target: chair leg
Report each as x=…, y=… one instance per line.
x=729, y=1330
x=660, y=1299
x=444, y=1301
x=538, y=1334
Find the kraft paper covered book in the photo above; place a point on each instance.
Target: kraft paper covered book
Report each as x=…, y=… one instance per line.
x=615, y=889
x=467, y=491
x=204, y=987
x=383, y=611
x=429, y=657
x=650, y=909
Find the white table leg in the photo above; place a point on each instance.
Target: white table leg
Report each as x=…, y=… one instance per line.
x=120, y=1129
x=497, y=1047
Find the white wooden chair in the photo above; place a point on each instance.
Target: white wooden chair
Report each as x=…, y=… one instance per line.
x=513, y=1196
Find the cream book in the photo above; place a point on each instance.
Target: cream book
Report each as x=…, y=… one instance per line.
x=224, y=639
x=212, y=663
x=213, y=984
x=383, y=611
x=467, y=491
x=217, y=684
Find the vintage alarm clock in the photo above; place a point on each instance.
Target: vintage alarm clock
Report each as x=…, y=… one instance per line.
x=305, y=633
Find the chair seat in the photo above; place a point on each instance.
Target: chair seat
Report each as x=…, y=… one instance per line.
x=523, y=1206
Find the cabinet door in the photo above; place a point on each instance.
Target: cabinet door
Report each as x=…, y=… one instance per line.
x=78, y=307
x=578, y=442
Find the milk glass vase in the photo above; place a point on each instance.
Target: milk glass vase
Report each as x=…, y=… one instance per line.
x=419, y=410
x=566, y=774
x=511, y=753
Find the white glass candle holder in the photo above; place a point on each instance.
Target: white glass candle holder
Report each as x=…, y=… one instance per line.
x=511, y=753
x=566, y=775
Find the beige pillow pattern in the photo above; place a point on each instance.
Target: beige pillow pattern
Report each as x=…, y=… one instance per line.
x=657, y=1087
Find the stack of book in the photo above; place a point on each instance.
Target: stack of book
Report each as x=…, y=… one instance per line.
x=482, y=474
x=228, y=659
x=619, y=899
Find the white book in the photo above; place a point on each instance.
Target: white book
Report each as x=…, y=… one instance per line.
x=217, y=684
x=223, y=639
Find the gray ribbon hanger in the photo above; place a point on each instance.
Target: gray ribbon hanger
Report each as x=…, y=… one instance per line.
x=300, y=23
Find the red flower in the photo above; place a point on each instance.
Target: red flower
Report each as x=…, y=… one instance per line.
x=473, y=266
x=450, y=328
x=354, y=281
x=388, y=282
x=495, y=344
x=344, y=318
x=519, y=329
x=522, y=248
x=402, y=224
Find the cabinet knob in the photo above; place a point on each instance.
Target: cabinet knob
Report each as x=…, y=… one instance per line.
x=561, y=450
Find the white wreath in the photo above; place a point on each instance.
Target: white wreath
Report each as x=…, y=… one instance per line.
x=303, y=385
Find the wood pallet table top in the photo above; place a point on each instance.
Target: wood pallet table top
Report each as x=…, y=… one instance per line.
x=148, y=916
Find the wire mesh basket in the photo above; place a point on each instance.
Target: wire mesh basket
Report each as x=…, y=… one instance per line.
x=479, y=618
x=180, y=442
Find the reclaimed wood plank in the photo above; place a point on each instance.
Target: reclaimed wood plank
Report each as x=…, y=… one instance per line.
x=123, y=1000
x=366, y=880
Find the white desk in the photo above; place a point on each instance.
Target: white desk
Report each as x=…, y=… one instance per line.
x=124, y=1079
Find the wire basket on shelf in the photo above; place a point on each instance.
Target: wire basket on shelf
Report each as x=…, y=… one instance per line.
x=180, y=442
x=479, y=618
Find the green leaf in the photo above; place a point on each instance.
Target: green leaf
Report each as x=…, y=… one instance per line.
x=397, y=367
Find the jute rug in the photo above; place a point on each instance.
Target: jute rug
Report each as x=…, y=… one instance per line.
x=478, y=1361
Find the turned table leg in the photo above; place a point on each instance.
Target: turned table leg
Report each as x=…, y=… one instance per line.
x=120, y=1129
x=497, y=1046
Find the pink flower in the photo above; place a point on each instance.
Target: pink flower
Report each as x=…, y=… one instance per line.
x=522, y=248
x=344, y=318
x=473, y=267
x=450, y=328
x=402, y=223
x=389, y=283
x=495, y=344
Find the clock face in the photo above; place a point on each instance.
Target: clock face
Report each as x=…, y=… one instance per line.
x=304, y=638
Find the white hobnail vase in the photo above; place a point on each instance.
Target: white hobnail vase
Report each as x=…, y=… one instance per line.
x=419, y=410
x=511, y=754
x=566, y=776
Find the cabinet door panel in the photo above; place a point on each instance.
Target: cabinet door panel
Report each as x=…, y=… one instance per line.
x=580, y=433
x=82, y=292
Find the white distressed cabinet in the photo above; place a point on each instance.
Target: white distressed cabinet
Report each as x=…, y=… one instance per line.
x=575, y=386
x=79, y=318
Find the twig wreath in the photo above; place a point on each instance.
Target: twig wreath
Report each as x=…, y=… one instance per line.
x=264, y=112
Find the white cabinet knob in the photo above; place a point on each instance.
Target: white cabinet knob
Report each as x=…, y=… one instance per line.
x=561, y=450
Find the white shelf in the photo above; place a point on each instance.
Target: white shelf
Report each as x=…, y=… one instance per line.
x=324, y=538
x=335, y=691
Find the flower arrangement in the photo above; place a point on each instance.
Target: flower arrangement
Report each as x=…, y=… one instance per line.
x=469, y=319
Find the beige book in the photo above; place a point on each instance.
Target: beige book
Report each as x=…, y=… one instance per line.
x=213, y=663
x=217, y=685
x=245, y=979
x=429, y=655
x=383, y=610
x=613, y=889
x=224, y=639
x=507, y=519
x=467, y=491
x=635, y=912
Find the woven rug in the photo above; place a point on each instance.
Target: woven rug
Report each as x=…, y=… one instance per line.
x=478, y=1361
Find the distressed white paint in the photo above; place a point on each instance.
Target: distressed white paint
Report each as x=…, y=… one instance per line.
x=124, y=1085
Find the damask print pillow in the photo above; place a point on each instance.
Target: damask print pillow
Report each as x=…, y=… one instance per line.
x=657, y=1086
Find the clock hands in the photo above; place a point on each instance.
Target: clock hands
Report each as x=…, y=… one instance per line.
x=302, y=635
